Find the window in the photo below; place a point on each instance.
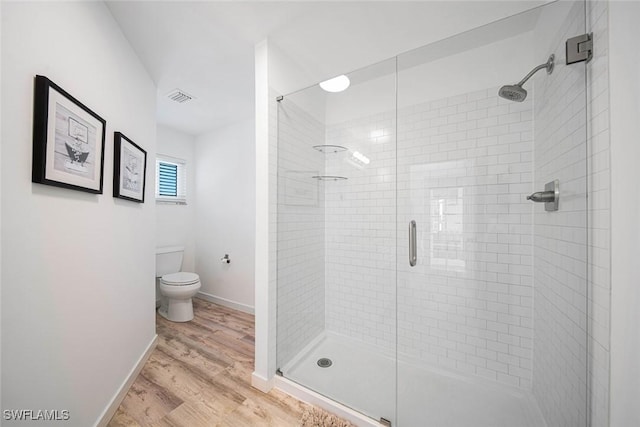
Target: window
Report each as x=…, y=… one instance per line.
x=171, y=177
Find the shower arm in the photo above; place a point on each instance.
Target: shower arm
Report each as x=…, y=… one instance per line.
x=532, y=72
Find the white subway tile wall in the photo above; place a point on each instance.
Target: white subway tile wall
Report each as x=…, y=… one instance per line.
x=465, y=168
x=599, y=213
x=301, y=231
x=560, y=238
x=360, y=230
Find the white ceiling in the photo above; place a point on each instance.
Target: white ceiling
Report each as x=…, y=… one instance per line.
x=206, y=48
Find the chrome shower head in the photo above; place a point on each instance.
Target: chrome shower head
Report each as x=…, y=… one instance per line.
x=513, y=93
x=516, y=92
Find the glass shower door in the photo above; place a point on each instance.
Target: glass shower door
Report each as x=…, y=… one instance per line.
x=336, y=241
x=492, y=288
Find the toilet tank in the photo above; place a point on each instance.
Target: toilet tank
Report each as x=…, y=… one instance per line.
x=168, y=260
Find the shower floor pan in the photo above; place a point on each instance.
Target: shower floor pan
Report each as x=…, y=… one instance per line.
x=363, y=378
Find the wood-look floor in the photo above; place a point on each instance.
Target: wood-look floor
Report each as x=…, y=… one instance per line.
x=200, y=375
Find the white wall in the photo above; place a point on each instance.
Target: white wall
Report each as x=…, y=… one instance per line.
x=225, y=214
x=265, y=292
x=78, y=268
x=625, y=213
x=174, y=223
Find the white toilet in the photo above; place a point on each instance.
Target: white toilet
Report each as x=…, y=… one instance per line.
x=176, y=287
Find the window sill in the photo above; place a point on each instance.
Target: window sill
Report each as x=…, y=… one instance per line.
x=170, y=202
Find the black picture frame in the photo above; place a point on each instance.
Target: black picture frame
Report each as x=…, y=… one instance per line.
x=129, y=169
x=68, y=140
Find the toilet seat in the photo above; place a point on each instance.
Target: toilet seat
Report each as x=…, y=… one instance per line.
x=180, y=279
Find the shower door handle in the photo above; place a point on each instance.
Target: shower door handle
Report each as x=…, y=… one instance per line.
x=413, y=250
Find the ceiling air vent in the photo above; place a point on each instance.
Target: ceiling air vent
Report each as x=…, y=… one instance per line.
x=180, y=96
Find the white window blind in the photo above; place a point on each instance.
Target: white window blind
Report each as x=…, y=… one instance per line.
x=171, y=180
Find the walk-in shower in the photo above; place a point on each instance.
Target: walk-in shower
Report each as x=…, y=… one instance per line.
x=416, y=284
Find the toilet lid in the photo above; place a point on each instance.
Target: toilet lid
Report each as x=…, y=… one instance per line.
x=180, y=279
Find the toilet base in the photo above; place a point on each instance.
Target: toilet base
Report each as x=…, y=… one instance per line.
x=177, y=310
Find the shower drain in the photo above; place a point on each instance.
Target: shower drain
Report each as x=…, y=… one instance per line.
x=324, y=362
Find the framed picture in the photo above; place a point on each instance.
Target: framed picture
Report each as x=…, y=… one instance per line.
x=129, y=169
x=68, y=140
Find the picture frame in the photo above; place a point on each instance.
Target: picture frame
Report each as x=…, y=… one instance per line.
x=68, y=140
x=129, y=169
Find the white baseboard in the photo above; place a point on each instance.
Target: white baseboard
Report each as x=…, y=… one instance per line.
x=226, y=302
x=261, y=383
x=124, y=388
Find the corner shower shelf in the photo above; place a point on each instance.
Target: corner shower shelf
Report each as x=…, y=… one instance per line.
x=329, y=148
x=329, y=177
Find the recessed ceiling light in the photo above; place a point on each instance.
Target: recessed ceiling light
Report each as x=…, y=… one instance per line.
x=336, y=84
